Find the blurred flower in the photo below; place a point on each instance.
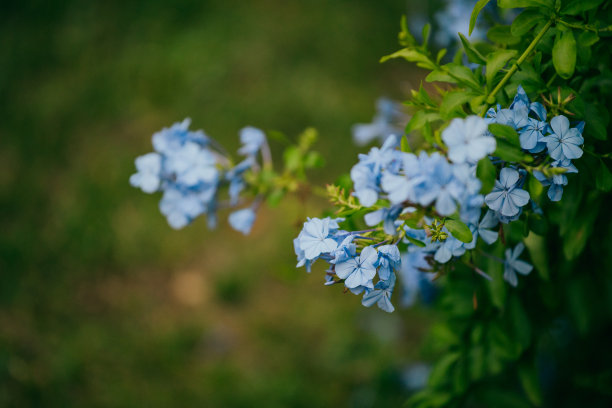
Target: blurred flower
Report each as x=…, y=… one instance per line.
x=381, y=295
x=468, y=140
x=242, y=220
x=512, y=265
x=149, y=172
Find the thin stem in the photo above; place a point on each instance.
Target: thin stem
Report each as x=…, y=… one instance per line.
x=585, y=27
x=551, y=80
x=491, y=97
x=266, y=155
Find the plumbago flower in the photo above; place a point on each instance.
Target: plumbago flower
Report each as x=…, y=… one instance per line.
x=190, y=170
x=468, y=140
x=512, y=265
x=389, y=120
x=507, y=197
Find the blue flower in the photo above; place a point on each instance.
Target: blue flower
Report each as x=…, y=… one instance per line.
x=415, y=278
x=381, y=295
x=385, y=215
x=315, y=238
x=468, y=140
x=507, y=197
x=180, y=208
x=388, y=260
x=389, y=120
x=359, y=270
x=192, y=166
x=512, y=265
x=449, y=248
x=365, y=183
x=148, y=177
x=235, y=177
x=252, y=139
x=345, y=250
x=170, y=139
x=484, y=228
x=564, y=143
x=242, y=220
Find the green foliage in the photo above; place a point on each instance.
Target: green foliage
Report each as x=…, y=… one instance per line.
x=494, y=338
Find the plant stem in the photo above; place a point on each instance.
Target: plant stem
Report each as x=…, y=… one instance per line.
x=491, y=97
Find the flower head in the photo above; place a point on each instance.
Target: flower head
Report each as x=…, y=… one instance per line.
x=242, y=220
x=565, y=142
x=358, y=270
x=468, y=140
x=512, y=265
x=507, y=197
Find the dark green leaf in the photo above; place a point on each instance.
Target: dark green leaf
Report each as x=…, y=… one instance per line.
x=506, y=132
x=564, y=54
x=471, y=52
x=529, y=380
x=525, y=3
x=525, y=22
x=508, y=152
x=477, y=9
x=603, y=178
x=597, y=119
x=536, y=245
x=441, y=370
x=486, y=172
x=459, y=230
x=574, y=7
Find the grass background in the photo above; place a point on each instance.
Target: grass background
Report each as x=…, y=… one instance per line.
x=101, y=303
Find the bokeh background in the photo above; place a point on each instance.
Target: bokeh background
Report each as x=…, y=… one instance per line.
x=102, y=304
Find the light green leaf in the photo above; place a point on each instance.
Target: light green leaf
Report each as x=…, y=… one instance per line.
x=452, y=102
x=477, y=9
x=564, y=54
x=420, y=118
x=501, y=34
x=525, y=22
x=440, y=76
x=464, y=75
x=411, y=55
x=486, y=172
x=495, y=62
x=471, y=52
x=459, y=230
x=415, y=241
x=506, y=132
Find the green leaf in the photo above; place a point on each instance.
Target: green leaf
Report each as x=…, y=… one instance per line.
x=440, y=76
x=506, y=132
x=425, y=33
x=603, y=178
x=574, y=7
x=404, y=146
x=529, y=380
x=486, y=172
x=525, y=3
x=508, y=152
x=536, y=245
x=459, y=230
x=597, y=118
x=411, y=55
x=464, y=75
x=477, y=9
x=495, y=62
x=525, y=22
x=313, y=160
x=471, y=52
x=441, y=370
x=452, y=102
x=501, y=34
x=420, y=118
x=415, y=241
x=564, y=54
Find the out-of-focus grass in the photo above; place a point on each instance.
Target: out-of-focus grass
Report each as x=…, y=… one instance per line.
x=101, y=303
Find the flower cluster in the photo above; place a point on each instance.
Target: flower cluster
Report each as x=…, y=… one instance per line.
x=189, y=168
x=351, y=260
x=553, y=144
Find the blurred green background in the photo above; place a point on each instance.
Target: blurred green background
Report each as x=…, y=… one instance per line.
x=101, y=303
